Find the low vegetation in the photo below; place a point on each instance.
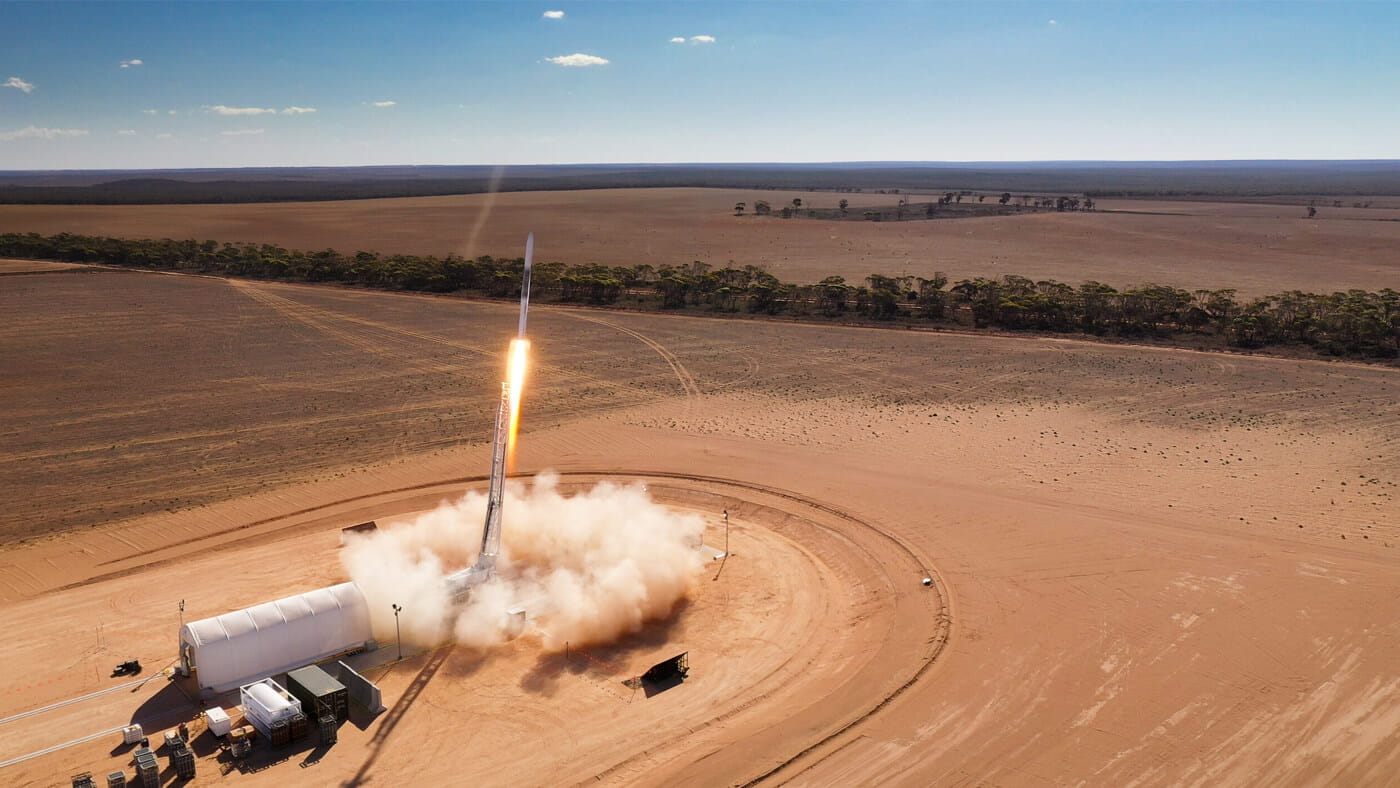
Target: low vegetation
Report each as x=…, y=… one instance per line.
x=1355, y=323
x=1101, y=179
x=949, y=205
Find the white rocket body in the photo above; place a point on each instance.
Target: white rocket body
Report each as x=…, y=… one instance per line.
x=460, y=583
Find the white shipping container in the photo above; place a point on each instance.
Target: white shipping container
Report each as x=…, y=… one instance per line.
x=132, y=734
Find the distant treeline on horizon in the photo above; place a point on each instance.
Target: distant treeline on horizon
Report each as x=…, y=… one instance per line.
x=1095, y=179
x=1356, y=323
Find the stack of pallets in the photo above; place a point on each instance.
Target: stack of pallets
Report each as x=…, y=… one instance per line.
x=147, y=770
x=182, y=758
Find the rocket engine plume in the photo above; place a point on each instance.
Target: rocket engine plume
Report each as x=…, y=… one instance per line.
x=503, y=447
x=519, y=354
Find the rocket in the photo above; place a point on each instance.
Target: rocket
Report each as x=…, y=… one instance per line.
x=525, y=284
x=460, y=583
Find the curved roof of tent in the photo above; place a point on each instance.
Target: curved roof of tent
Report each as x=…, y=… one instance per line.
x=235, y=648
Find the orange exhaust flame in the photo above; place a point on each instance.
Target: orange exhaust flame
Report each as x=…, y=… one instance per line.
x=515, y=375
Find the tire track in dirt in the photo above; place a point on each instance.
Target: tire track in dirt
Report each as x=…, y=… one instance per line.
x=398, y=335
x=689, y=387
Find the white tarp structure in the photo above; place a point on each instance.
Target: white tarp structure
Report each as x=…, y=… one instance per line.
x=227, y=651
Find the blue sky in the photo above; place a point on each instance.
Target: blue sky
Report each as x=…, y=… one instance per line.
x=277, y=84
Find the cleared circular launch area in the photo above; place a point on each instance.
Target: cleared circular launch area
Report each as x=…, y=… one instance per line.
x=811, y=622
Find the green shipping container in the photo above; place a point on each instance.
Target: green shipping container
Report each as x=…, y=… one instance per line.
x=319, y=693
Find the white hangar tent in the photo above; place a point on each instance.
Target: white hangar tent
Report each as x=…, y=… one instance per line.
x=225, y=652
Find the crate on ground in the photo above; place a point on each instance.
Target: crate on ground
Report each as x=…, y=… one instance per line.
x=280, y=733
x=218, y=721
x=116, y=780
x=298, y=726
x=147, y=770
x=183, y=761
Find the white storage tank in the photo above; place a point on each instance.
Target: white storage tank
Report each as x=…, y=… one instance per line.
x=265, y=702
x=228, y=651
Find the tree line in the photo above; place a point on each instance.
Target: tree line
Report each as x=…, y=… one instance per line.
x=1355, y=323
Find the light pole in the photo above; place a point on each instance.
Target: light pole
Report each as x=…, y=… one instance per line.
x=398, y=637
x=726, y=532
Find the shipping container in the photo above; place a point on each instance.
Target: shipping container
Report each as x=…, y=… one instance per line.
x=319, y=693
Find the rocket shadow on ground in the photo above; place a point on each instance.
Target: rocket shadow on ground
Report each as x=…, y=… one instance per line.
x=396, y=714
x=613, y=661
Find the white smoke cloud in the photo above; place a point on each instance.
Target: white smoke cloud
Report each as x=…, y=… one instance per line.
x=588, y=568
x=16, y=82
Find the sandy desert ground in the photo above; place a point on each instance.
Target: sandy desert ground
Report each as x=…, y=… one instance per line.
x=1258, y=249
x=1152, y=566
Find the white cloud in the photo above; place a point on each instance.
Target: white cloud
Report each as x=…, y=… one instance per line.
x=578, y=59
x=40, y=133
x=220, y=109
x=149, y=111
x=165, y=136
x=16, y=82
x=241, y=132
x=298, y=110
x=171, y=112
x=553, y=14
x=678, y=40
x=130, y=63
x=1053, y=22
x=702, y=39
x=383, y=103
x=127, y=132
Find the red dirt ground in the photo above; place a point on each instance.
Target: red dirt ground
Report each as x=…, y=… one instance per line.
x=1154, y=566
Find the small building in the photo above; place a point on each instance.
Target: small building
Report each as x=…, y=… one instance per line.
x=227, y=651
